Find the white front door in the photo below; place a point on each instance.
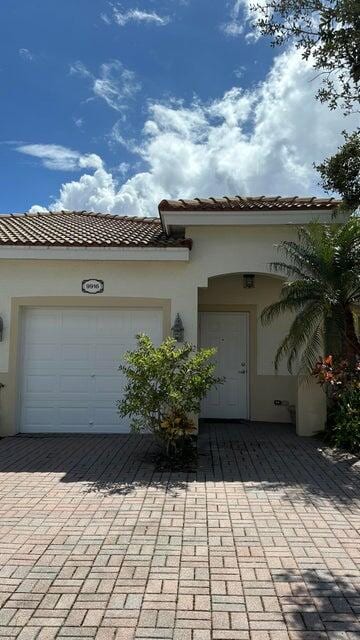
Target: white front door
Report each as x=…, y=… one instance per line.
x=228, y=333
x=69, y=367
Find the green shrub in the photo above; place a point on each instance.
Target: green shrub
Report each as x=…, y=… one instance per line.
x=345, y=420
x=342, y=385
x=165, y=386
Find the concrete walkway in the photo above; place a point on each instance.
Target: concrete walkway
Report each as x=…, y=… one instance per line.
x=262, y=543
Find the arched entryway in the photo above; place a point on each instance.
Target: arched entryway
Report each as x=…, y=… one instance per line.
x=229, y=319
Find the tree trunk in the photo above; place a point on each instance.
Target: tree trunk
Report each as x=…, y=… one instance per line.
x=352, y=344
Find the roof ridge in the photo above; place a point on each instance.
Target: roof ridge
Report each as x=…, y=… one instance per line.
x=253, y=203
x=40, y=214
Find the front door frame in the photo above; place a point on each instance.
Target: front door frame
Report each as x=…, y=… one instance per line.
x=251, y=310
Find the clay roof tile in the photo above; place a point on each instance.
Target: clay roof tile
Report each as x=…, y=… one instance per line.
x=253, y=203
x=83, y=229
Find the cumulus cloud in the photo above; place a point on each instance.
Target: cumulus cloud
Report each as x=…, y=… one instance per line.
x=37, y=208
x=115, y=84
x=259, y=141
x=60, y=158
x=121, y=18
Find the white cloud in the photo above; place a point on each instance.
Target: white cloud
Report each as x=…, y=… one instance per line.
x=121, y=18
x=259, y=141
x=240, y=71
x=26, y=54
x=253, y=10
x=60, y=158
x=79, y=68
x=235, y=25
x=233, y=28
x=37, y=208
x=79, y=122
x=115, y=84
x=244, y=13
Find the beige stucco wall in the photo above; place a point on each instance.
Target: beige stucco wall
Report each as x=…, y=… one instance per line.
x=215, y=251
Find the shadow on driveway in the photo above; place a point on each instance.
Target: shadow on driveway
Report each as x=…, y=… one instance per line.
x=261, y=457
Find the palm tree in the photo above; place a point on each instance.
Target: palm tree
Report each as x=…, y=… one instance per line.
x=322, y=290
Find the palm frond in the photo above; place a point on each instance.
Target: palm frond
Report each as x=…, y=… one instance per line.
x=276, y=309
x=322, y=271
x=288, y=269
x=302, y=258
x=303, y=325
x=312, y=351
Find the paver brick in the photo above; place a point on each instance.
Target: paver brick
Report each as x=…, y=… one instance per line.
x=261, y=543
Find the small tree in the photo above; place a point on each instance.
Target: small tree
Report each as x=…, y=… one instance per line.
x=165, y=385
x=341, y=172
x=328, y=32
x=322, y=291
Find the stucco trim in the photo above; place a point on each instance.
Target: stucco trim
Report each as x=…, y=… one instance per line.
x=248, y=218
x=175, y=254
x=18, y=305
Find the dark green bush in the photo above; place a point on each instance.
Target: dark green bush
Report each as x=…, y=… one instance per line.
x=341, y=382
x=345, y=420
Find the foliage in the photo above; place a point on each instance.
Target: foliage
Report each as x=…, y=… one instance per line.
x=328, y=31
x=335, y=376
x=322, y=289
x=341, y=172
x=341, y=381
x=165, y=385
x=175, y=434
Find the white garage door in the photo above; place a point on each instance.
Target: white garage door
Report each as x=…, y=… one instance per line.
x=69, y=365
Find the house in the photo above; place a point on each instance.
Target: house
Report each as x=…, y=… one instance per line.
x=76, y=287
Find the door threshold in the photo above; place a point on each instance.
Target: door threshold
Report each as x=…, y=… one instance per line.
x=223, y=420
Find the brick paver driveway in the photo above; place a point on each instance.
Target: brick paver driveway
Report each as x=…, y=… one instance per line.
x=261, y=543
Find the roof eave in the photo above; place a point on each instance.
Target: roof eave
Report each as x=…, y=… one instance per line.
x=193, y=218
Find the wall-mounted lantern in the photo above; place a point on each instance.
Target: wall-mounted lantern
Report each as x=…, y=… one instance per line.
x=249, y=280
x=1, y=328
x=177, y=329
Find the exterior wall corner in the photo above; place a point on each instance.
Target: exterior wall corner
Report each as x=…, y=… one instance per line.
x=311, y=408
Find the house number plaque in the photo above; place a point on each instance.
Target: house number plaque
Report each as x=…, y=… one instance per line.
x=92, y=286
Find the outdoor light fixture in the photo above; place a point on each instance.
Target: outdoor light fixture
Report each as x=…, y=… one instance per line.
x=178, y=329
x=249, y=280
x=1, y=328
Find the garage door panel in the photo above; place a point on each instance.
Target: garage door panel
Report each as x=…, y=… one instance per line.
x=107, y=384
x=71, y=381
x=78, y=324
x=106, y=416
x=41, y=384
x=37, y=416
x=76, y=366
x=40, y=353
x=41, y=325
x=76, y=353
x=74, y=416
x=75, y=384
x=111, y=325
x=111, y=353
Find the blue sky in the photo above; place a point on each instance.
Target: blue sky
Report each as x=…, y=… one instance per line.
x=109, y=106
